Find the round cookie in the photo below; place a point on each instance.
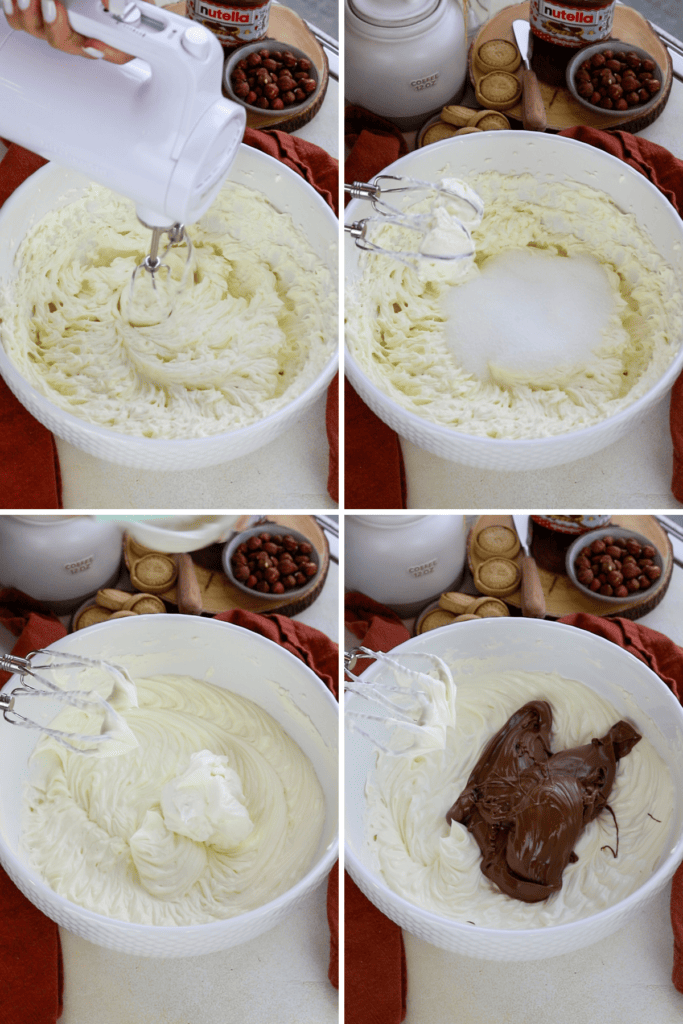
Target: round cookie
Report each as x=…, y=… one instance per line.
x=497, y=577
x=455, y=602
x=109, y=597
x=490, y=607
x=496, y=540
x=90, y=616
x=154, y=573
x=436, y=619
x=144, y=604
x=499, y=90
x=497, y=55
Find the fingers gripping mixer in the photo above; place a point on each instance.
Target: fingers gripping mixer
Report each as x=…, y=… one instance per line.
x=157, y=129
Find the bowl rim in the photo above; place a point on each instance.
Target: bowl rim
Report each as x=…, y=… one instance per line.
x=623, y=47
x=604, y=531
x=439, y=431
x=269, y=44
x=132, y=445
x=56, y=903
x=253, y=531
x=671, y=857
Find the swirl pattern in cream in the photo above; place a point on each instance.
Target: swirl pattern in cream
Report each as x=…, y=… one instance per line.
x=94, y=827
x=252, y=326
x=437, y=866
x=399, y=332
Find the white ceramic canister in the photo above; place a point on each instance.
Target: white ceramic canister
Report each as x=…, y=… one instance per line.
x=404, y=59
x=404, y=561
x=59, y=560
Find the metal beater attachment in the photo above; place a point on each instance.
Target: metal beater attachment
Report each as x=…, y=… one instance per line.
x=115, y=735
x=153, y=262
x=443, y=232
x=418, y=706
x=143, y=306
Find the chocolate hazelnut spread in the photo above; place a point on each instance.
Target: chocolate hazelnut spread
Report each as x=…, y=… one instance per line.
x=526, y=807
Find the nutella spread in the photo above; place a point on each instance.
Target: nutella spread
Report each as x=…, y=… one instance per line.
x=526, y=807
x=436, y=864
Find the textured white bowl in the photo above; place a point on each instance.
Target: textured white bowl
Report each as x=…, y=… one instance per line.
x=289, y=193
x=225, y=655
x=528, y=645
x=548, y=158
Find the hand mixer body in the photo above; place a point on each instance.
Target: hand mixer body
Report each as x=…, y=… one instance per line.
x=157, y=130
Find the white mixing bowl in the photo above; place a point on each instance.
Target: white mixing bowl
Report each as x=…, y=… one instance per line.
x=529, y=645
x=548, y=158
x=225, y=655
x=289, y=193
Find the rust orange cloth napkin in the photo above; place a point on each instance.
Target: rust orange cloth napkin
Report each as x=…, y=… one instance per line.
x=374, y=475
x=29, y=466
x=376, y=982
x=30, y=950
x=374, y=453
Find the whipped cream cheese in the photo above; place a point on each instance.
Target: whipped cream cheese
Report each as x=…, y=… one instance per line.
x=215, y=812
x=406, y=331
x=437, y=865
x=251, y=328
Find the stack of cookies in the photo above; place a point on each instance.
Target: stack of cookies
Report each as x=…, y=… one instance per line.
x=151, y=572
x=497, y=574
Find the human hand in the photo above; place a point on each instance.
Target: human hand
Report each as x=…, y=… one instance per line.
x=47, y=19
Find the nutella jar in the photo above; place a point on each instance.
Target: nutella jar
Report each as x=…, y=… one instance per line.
x=234, y=23
x=551, y=536
x=560, y=29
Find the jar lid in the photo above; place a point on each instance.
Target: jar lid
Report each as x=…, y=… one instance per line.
x=393, y=12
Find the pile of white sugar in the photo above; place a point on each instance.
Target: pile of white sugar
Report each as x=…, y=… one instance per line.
x=567, y=315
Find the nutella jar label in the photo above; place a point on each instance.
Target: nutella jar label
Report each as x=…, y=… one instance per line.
x=571, y=25
x=232, y=23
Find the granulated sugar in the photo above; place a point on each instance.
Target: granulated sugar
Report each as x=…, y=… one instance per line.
x=528, y=313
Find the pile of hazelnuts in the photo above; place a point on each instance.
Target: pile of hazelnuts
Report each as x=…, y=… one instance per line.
x=273, y=79
x=614, y=80
x=617, y=566
x=273, y=563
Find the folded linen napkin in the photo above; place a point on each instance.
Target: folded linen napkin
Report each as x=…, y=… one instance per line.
x=376, y=967
x=374, y=475
x=367, y=444
x=30, y=951
x=376, y=981
x=29, y=465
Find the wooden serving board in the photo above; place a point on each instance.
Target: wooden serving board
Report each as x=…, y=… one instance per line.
x=563, y=598
x=561, y=108
x=289, y=29
x=220, y=595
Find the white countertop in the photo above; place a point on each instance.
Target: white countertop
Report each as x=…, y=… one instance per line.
x=622, y=980
x=635, y=472
x=279, y=976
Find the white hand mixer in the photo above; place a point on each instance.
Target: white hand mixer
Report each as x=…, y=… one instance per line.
x=157, y=129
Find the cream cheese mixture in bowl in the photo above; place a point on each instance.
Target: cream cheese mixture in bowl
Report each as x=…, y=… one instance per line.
x=425, y=874
x=562, y=334
x=211, y=830
x=253, y=341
